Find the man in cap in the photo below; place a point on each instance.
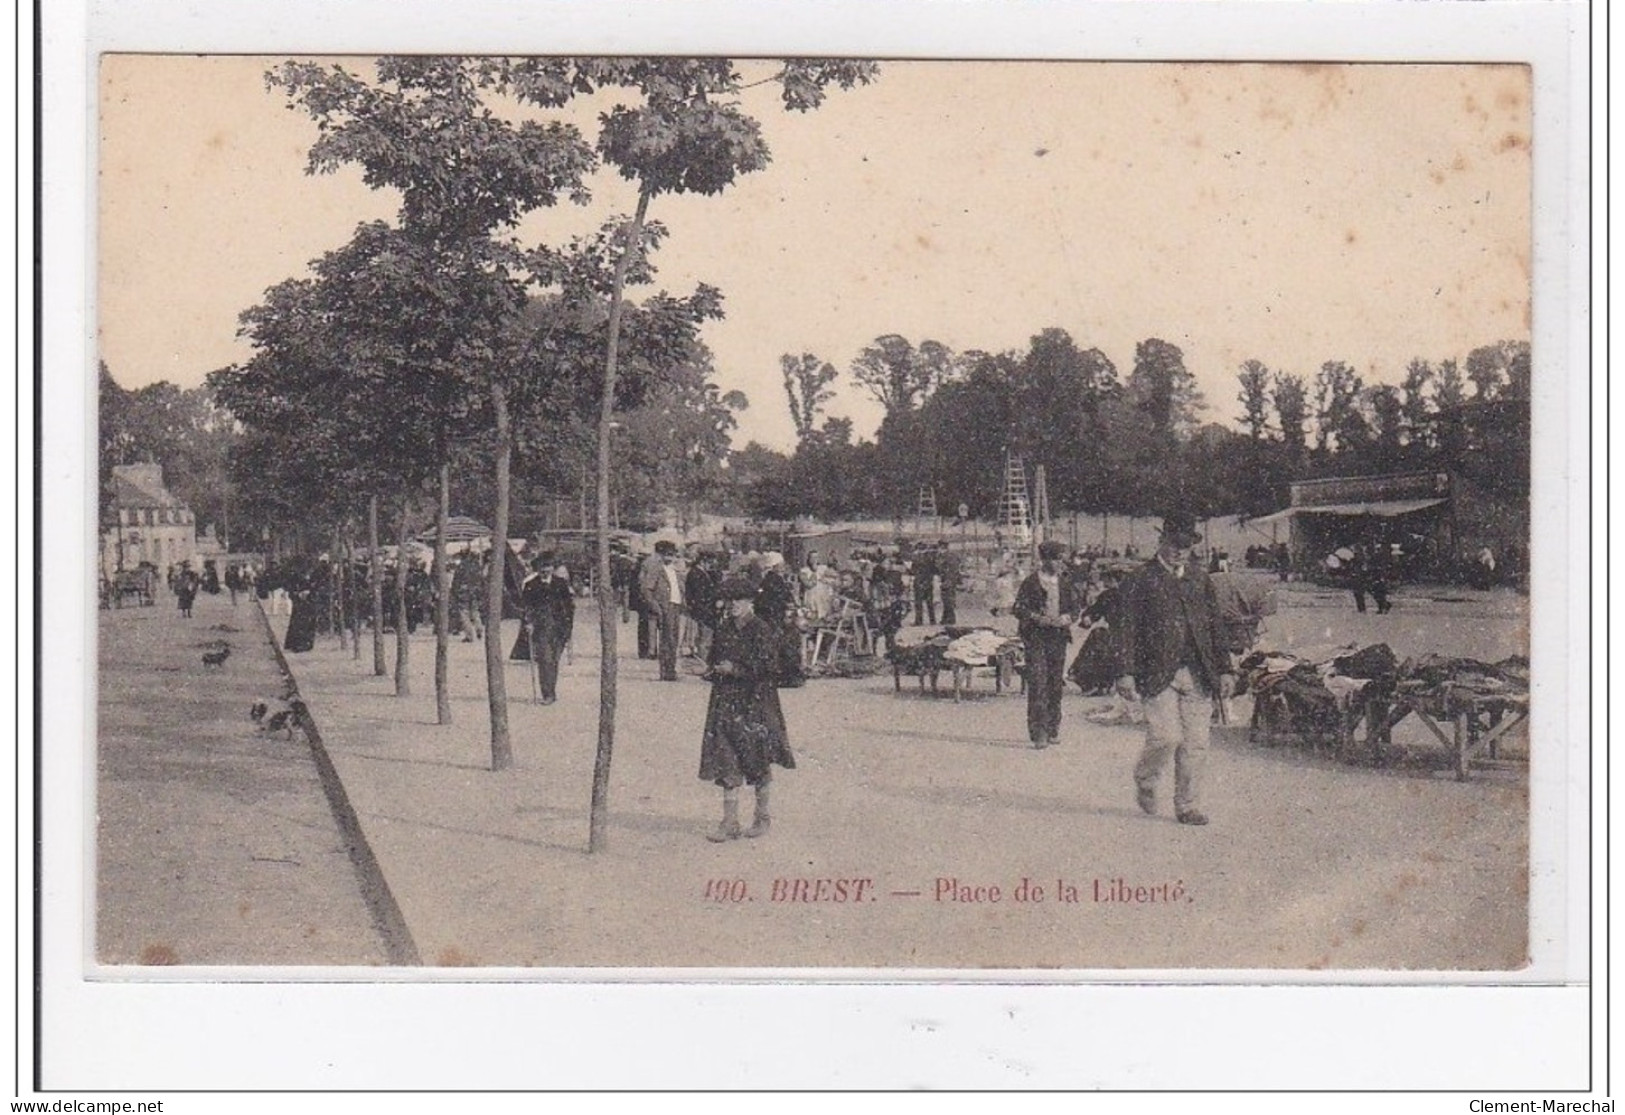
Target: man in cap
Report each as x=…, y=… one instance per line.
x=646, y=602
x=1174, y=656
x=924, y=566
x=948, y=574
x=1047, y=605
x=662, y=587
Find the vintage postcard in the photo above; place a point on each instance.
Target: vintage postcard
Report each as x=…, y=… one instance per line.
x=933, y=380
x=571, y=516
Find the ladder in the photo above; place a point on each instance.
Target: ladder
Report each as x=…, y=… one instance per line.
x=928, y=503
x=1015, y=509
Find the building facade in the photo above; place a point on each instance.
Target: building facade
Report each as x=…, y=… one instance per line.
x=150, y=524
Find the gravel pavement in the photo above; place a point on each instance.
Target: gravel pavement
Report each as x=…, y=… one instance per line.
x=216, y=842
x=904, y=835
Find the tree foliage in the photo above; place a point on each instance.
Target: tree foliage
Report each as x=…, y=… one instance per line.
x=1255, y=399
x=184, y=430
x=807, y=382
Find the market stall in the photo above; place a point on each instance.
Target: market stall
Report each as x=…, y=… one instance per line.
x=1466, y=705
x=958, y=652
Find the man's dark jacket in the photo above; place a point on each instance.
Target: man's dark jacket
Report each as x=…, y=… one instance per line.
x=1031, y=597
x=1157, y=609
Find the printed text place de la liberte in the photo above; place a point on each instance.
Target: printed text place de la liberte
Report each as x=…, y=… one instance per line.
x=951, y=890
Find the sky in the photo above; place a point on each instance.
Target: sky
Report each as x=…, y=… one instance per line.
x=1292, y=214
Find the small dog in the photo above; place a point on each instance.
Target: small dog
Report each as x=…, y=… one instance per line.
x=216, y=658
x=284, y=719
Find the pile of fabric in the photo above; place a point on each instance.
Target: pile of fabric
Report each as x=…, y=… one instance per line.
x=1312, y=699
x=1439, y=683
x=929, y=650
x=1317, y=700
x=1507, y=677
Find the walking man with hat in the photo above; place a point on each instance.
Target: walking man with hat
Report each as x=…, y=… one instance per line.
x=1174, y=658
x=1047, y=605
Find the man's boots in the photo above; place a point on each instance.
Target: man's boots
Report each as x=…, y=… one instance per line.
x=729, y=829
x=763, y=821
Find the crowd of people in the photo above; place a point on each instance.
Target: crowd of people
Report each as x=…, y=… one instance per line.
x=1159, y=636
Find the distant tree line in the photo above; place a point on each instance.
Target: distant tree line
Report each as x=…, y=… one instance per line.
x=1132, y=445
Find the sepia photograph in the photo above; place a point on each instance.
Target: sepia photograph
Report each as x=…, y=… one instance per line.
x=710, y=513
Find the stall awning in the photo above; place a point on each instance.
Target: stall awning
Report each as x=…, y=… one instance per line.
x=459, y=528
x=1386, y=509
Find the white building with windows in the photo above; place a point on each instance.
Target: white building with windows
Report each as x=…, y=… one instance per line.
x=150, y=523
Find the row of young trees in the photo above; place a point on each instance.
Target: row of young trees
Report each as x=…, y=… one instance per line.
x=1129, y=445
x=440, y=345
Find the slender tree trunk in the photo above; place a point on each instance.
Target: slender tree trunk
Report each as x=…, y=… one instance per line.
x=598, y=834
x=350, y=591
x=442, y=599
x=496, y=679
x=335, y=579
x=403, y=642
x=375, y=580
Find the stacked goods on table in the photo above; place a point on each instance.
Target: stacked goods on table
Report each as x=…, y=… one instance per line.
x=1322, y=702
x=1444, y=679
x=1314, y=701
x=925, y=653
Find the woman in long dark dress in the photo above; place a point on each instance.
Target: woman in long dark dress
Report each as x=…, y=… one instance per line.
x=306, y=613
x=186, y=591
x=1097, y=665
x=745, y=733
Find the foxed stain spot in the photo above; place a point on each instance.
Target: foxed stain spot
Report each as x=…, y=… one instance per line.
x=923, y=241
x=159, y=955
x=1513, y=141
x=1459, y=163
x=1358, y=928
x=1196, y=141
x=1437, y=176
x=1273, y=112
x=242, y=909
x=1509, y=98
x=1350, y=236
x=216, y=141
x=454, y=957
x=1476, y=109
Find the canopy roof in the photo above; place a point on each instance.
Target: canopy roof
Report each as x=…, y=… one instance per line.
x=459, y=528
x=1384, y=508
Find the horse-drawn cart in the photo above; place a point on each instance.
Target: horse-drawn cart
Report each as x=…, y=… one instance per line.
x=136, y=585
